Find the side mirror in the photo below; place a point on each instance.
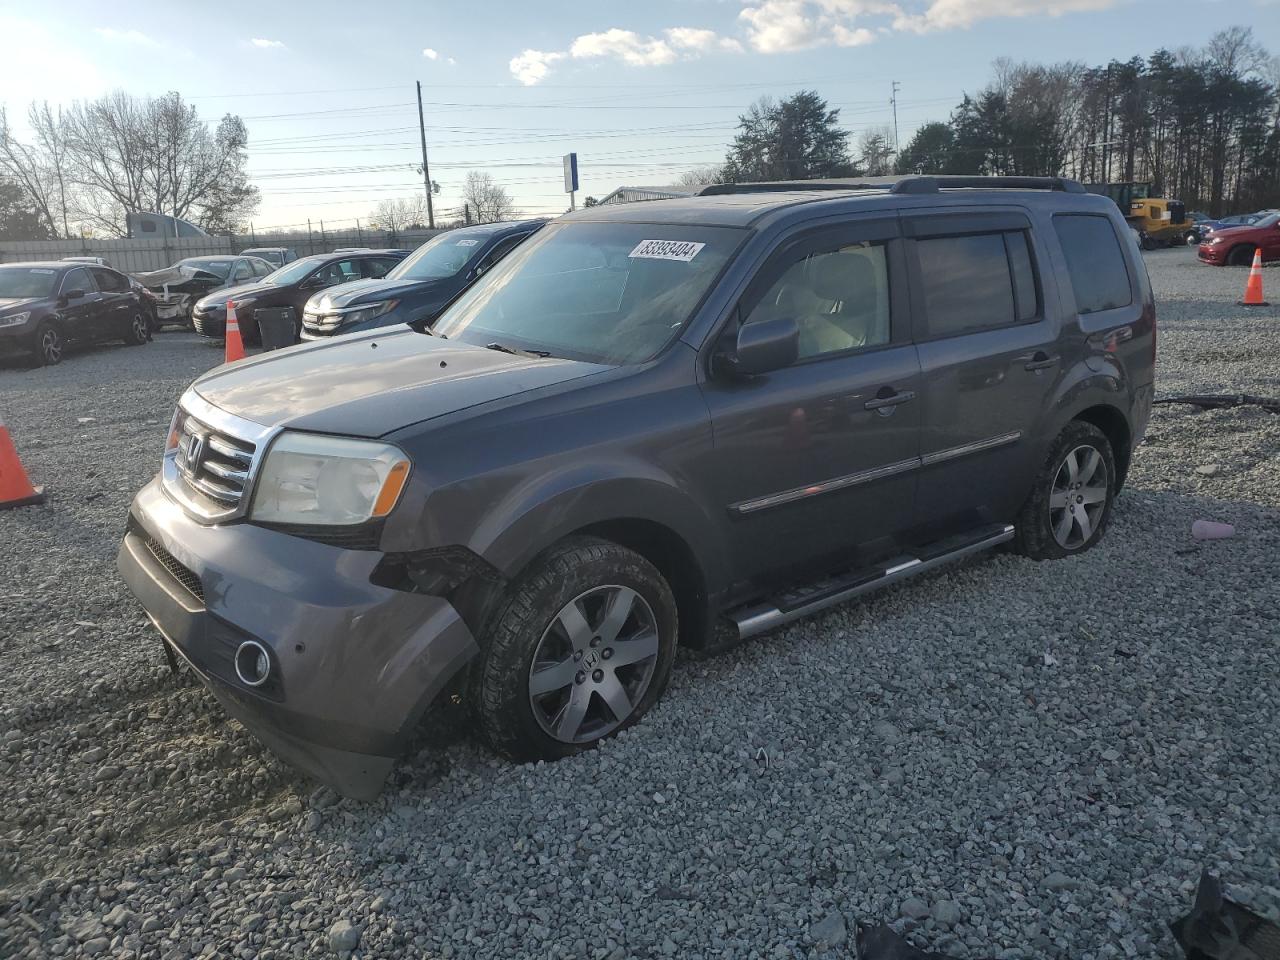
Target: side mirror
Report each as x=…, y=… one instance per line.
x=766, y=345
x=76, y=294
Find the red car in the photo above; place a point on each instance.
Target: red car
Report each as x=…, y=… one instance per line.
x=1235, y=246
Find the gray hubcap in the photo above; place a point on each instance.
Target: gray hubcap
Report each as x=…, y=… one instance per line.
x=1078, y=497
x=593, y=664
x=51, y=346
x=139, y=327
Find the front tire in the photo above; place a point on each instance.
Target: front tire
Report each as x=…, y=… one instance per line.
x=1241, y=256
x=578, y=650
x=49, y=345
x=1071, y=498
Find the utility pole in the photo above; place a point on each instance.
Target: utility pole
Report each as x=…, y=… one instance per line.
x=893, y=101
x=426, y=171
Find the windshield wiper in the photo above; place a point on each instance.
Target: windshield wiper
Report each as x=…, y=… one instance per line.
x=503, y=348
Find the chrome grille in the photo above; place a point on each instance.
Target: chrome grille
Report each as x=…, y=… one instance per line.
x=213, y=464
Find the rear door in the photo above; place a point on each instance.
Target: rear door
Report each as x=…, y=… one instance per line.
x=815, y=463
x=81, y=316
x=115, y=306
x=990, y=356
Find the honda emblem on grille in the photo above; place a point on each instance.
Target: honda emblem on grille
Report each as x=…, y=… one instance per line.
x=195, y=451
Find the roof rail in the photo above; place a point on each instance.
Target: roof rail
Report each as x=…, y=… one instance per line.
x=911, y=184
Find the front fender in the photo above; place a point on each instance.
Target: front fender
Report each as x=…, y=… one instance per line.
x=531, y=519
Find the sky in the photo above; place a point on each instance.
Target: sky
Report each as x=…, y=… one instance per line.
x=640, y=91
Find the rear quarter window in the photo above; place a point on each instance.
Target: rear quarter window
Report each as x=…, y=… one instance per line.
x=1095, y=262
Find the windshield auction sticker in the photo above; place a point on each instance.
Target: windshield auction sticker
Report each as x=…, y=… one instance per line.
x=467, y=243
x=682, y=250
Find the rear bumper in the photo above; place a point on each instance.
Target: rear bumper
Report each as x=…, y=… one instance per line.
x=354, y=665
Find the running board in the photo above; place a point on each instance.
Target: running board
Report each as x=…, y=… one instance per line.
x=801, y=602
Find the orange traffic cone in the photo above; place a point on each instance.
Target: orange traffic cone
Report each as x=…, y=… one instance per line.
x=235, y=346
x=15, y=489
x=1253, y=289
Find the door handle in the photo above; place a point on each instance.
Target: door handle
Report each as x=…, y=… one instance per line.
x=1039, y=361
x=879, y=403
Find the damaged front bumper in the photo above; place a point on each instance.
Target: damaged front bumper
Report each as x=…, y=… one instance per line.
x=353, y=665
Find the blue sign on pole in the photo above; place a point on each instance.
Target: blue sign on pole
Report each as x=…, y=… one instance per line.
x=570, y=172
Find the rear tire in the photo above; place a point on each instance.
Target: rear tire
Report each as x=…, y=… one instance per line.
x=139, y=331
x=1071, y=497
x=577, y=650
x=1241, y=256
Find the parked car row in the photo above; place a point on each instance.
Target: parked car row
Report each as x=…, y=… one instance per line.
x=351, y=289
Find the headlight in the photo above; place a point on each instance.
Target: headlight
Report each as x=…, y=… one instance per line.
x=358, y=314
x=14, y=319
x=313, y=479
x=1214, y=240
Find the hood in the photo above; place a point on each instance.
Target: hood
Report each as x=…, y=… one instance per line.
x=17, y=303
x=241, y=292
x=373, y=383
x=370, y=291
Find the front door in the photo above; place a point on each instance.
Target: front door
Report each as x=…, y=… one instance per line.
x=82, y=315
x=990, y=353
x=815, y=463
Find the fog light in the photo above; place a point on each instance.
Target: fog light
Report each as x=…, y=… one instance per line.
x=253, y=663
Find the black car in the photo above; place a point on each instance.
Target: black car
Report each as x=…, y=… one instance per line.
x=420, y=287
x=177, y=288
x=287, y=288
x=686, y=421
x=46, y=305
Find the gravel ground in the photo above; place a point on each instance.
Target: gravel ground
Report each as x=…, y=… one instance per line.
x=1005, y=759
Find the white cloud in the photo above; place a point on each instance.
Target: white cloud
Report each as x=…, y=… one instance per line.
x=532, y=65
x=136, y=37
x=629, y=47
x=430, y=54
x=958, y=14
x=263, y=44
x=626, y=45
x=701, y=41
x=451, y=61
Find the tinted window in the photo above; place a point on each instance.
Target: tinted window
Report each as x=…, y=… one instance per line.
x=501, y=249
x=109, y=281
x=78, y=279
x=976, y=282
x=340, y=271
x=242, y=271
x=607, y=292
x=260, y=267
x=839, y=297
x=1094, y=261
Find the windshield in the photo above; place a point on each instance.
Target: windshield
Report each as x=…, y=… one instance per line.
x=292, y=272
x=23, y=282
x=219, y=268
x=612, y=293
x=440, y=257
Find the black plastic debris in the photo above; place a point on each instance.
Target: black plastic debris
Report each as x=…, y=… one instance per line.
x=1219, y=401
x=1221, y=929
x=879, y=942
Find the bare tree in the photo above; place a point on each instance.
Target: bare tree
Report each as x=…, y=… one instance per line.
x=875, y=151
x=488, y=201
x=36, y=171
x=700, y=176
x=400, y=214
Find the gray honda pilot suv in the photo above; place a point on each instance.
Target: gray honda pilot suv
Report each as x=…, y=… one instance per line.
x=677, y=422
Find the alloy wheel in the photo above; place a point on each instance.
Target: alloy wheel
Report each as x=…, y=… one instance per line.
x=140, y=329
x=593, y=664
x=50, y=347
x=1079, y=497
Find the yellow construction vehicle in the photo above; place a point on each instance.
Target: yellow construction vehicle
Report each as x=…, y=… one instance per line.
x=1158, y=221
